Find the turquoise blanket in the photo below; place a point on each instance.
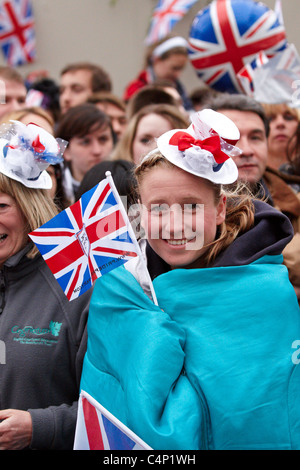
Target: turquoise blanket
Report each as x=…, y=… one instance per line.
x=210, y=368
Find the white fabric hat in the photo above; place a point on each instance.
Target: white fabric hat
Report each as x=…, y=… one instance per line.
x=205, y=148
x=26, y=151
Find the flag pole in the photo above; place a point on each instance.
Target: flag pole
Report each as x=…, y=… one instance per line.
x=131, y=233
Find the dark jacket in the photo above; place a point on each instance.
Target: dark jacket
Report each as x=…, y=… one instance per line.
x=45, y=341
x=280, y=195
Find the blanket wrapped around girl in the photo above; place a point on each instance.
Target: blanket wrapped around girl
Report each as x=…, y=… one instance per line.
x=214, y=364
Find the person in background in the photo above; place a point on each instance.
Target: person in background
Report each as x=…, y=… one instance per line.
x=34, y=114
x=12, y=90
x=170, y=87
x=144, y=127
x=78, y=81
x=265, y=182
x=47, y=98
x=199, y=96
x=90, y=138
x=114, y=107
x=122, y=174
x=176, y=369
x=291, y=169
x=149, y=94
x=283, y=123
x=44, y=333
x=165, y=60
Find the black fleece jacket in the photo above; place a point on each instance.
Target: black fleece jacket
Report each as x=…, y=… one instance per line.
x=45, y=341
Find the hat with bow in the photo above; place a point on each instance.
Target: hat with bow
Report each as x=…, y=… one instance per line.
x=205, y=148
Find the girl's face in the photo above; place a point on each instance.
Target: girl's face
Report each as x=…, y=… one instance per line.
x=13, y=236
x=148, y=129
x=179, y=215
x=171, y=67
x=85, y=152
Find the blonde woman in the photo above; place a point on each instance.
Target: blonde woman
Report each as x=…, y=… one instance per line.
x=43, y=119
x=208, y=365
x=143, y=129
x=43, y=333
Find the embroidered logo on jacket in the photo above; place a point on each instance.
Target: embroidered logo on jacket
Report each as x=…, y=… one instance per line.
x=32, y=335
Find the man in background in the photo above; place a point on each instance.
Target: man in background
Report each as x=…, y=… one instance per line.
x=271, y=185
x=78, y=81
x=114, y=107
x=12, y=91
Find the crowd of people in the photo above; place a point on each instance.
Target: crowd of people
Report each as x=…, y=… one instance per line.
x=206, y=365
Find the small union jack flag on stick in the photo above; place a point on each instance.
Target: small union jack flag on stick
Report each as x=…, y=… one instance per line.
x=88, y=239
x=17, y=33
x=98, y=429
x=166, y=14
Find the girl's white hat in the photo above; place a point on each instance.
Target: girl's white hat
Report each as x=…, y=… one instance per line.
x=26, y=151
x=170, y=44
x=205, y=148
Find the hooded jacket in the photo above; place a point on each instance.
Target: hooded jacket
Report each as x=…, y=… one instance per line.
x=211, y=366
x=45, y=340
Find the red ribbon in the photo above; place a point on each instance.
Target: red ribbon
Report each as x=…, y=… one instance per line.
x=37, y=145
x=212, y=144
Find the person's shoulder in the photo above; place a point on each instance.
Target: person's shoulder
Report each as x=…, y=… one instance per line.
x=136, y=84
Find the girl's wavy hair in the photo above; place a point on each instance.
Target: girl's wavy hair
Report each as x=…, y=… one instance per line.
x=239, y=206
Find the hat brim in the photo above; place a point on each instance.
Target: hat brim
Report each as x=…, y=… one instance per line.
x=44, y=181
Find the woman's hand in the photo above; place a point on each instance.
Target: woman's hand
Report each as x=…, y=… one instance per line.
x=15, y=429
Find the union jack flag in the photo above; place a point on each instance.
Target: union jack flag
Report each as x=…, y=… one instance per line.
x=97, y=429
x=17, y=34
x=246, y=74
x=166, y=14
x=86, y=240
x=227, y=35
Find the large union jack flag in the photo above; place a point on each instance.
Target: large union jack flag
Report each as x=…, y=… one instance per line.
x=97, y=429
x=227, y=35
x=166, y=14
x=17, y=33
x=86, y=240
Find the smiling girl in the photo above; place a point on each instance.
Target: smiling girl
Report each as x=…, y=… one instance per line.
x=207, y=366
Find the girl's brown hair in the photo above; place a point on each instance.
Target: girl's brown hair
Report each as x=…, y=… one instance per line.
x=239, y=207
